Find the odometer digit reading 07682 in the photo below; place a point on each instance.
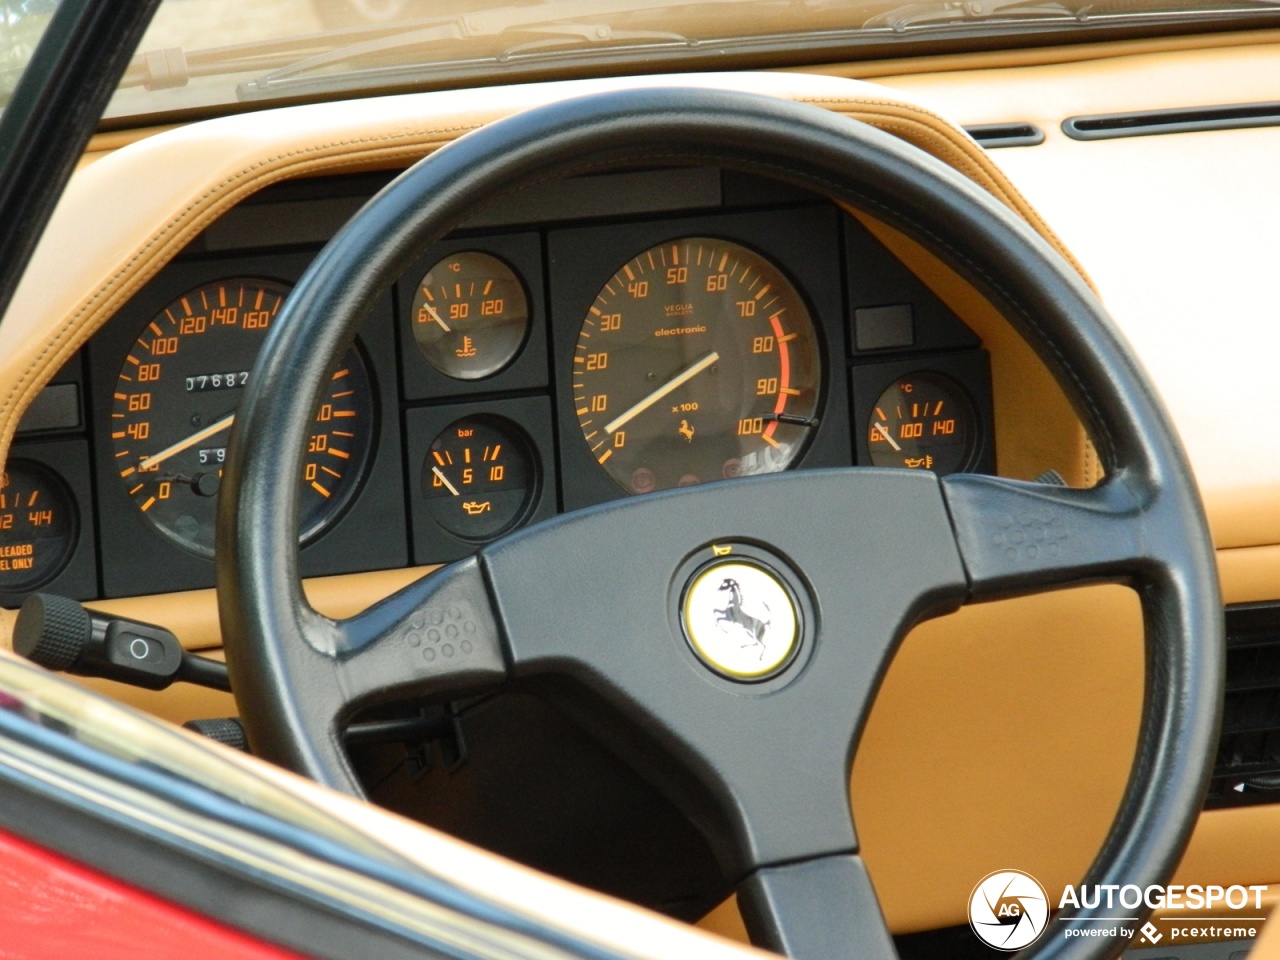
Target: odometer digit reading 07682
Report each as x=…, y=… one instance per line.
x=697, y=361
x=175, y=401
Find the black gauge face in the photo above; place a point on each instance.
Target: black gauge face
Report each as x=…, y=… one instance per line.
x=924, y=421
x=479, y=477
x=697, y=361
x=37, y=526
x=175, y=401
x=470, y=315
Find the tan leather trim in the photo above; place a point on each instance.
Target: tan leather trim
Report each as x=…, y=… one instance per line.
x=1175, y=232
x=1036, y=428
x=1267, y=946
x=1038, y=56
x=104, y=144
x=192, y=615
x=181, y=180
x=1063, y=674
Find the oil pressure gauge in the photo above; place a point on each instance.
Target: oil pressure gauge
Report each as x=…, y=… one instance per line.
x=479, y=477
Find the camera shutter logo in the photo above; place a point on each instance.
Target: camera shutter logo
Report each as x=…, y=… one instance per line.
x=1008, y=909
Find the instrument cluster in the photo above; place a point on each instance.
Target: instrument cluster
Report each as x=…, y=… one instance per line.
x=629, y=342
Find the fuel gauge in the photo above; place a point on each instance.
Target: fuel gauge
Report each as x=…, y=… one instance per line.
x=479, y=477
x=37, y=526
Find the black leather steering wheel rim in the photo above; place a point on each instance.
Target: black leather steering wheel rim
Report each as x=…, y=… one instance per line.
x=273, y=637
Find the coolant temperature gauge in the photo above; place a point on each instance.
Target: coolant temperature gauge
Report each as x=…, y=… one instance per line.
x=37, y=526
x=479, y=477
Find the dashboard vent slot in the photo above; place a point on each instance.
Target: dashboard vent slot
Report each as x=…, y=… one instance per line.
x=993, y=135
x=1247, y=770
x=1146, y=123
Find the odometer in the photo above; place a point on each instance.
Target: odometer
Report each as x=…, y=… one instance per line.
x=697, y=361
x=175, y=401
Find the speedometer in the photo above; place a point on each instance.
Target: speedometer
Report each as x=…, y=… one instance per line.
x=697, y=361
x=175, y=400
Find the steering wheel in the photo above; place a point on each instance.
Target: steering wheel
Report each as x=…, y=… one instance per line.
x=639, y=571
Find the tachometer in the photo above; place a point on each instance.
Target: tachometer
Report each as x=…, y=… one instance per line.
x=175, y=401
x=697, y=361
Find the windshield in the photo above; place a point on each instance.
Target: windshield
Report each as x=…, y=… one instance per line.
x=214, y=54
x=22, y=23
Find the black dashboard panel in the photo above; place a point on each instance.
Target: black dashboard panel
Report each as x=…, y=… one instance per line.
x=804, y=242
x=874, y=321
x=135, y=557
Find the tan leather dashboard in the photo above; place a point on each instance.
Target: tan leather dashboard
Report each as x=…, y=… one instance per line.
x=1057, y=679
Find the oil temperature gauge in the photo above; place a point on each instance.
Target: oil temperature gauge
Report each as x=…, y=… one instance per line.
x=923, y=421
x=479, y=477
x=37, y=526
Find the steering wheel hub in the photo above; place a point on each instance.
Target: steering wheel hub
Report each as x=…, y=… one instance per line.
x=741, y=620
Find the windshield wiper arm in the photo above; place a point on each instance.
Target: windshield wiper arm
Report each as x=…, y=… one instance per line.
x=961, y=11
x=306, y=72
x=175, y=67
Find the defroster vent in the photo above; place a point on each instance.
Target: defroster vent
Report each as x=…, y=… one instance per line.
x=1247, y=769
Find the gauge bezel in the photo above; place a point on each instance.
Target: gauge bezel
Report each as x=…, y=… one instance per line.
x=970, y=370
x=418, y=328
x=802, y=242
x=431, y=542
x=522, y=252
x=137, y=559
x=69, y=460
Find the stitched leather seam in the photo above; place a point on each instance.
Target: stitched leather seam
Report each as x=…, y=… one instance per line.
x=185, y=226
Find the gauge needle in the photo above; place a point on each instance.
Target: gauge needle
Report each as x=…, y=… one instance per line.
x=438, y=319
x=677, y=381
x=445, y=480
x=884, y=432
x=148, y=463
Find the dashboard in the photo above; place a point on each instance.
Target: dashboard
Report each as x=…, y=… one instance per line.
x=1070, y=664
x=592, y=339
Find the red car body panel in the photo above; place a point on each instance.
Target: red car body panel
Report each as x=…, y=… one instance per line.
x=56, y=909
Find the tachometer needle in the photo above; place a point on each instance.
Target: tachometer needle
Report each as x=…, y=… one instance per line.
x=445, y=480
x=156, y=459
x=677, y=381
x=884, y=432
x=437, y=318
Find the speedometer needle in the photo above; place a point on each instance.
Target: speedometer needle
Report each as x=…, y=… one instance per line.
x=677, y=381
x=156, y=459
x=884, y=432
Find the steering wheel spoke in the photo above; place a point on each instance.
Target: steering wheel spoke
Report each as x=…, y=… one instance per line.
x=437, y=635
x=820, y=909
x=1017, y=537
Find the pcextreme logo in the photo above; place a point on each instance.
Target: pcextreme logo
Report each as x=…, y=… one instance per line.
x=1008, y=909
